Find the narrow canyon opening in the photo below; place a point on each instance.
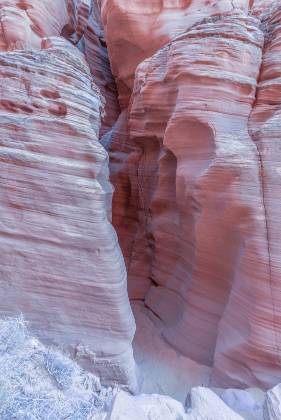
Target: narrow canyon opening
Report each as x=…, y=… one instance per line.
x=139, y=194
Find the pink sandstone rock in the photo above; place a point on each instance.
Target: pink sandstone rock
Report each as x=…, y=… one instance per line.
x=126, y=200
x=61, y=265
x=137, y=29
x=196, y=242
x=200, y=235
x=79, y=12
x=262, y=312
x=25, y=22
x=97, y=57
x=260, y=6
x=194, y=159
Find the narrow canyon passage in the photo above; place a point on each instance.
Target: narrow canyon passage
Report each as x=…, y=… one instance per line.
x=139, y=193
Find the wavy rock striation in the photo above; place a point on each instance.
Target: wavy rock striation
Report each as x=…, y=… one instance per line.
x=200, y=236
x=194, y=158
x=97, y=57
x=196, y=200
x=61, y=264
x=265, y=130
x=137, y=29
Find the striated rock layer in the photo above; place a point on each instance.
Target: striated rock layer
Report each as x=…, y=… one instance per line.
x=97, y=57
x=194, y=158
x=196, y=204
x=61, y=264
x=265, y=127
x=25, y=22
x=200, y=236
x=136, y=29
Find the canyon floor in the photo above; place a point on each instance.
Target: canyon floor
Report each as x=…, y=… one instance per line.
x=39, y=382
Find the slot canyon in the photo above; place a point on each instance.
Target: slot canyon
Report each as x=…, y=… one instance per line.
x=140, y=245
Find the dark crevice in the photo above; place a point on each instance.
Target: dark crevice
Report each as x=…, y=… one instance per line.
x=103, y=43
x=152, y=311
x=153, y=282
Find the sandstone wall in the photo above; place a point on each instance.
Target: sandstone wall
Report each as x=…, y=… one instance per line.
x=61, y=265
x=196, y=195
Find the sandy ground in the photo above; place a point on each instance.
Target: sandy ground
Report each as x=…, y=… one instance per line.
x=161, y=369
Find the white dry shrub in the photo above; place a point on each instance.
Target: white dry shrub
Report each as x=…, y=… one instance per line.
x=39, y=383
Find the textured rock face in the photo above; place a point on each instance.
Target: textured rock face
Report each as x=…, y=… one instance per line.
x=97, y=57
x=61, y=264
x=196, y=204
x=137, y=29
x=265, y=129
x=194, y=158
x=260, y=6
x=272, y=405
x=196, y=162
x=25, y=22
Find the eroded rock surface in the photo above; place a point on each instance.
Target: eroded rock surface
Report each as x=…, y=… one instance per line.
x=191, y=190
x=61, y=264
x=25, y=22
x=194, y=159
x=192, y=166
x=136, y=29
x=204, y=404
x=95, y=50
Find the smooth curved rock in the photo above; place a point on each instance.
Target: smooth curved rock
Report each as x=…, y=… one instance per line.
x=126, y=202
x=146, y=407
x=195, y=204
x=262, y=310
x=248, y=403
x=205, y=404
x=201, y=237
x=161, y=369
x=25, y=22
x=137, y=29
x=272, y=405
x=239, y=400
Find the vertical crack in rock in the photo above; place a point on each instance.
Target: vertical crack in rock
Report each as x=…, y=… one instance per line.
x=261, y=351
x=267, y=21
x=262, y=187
